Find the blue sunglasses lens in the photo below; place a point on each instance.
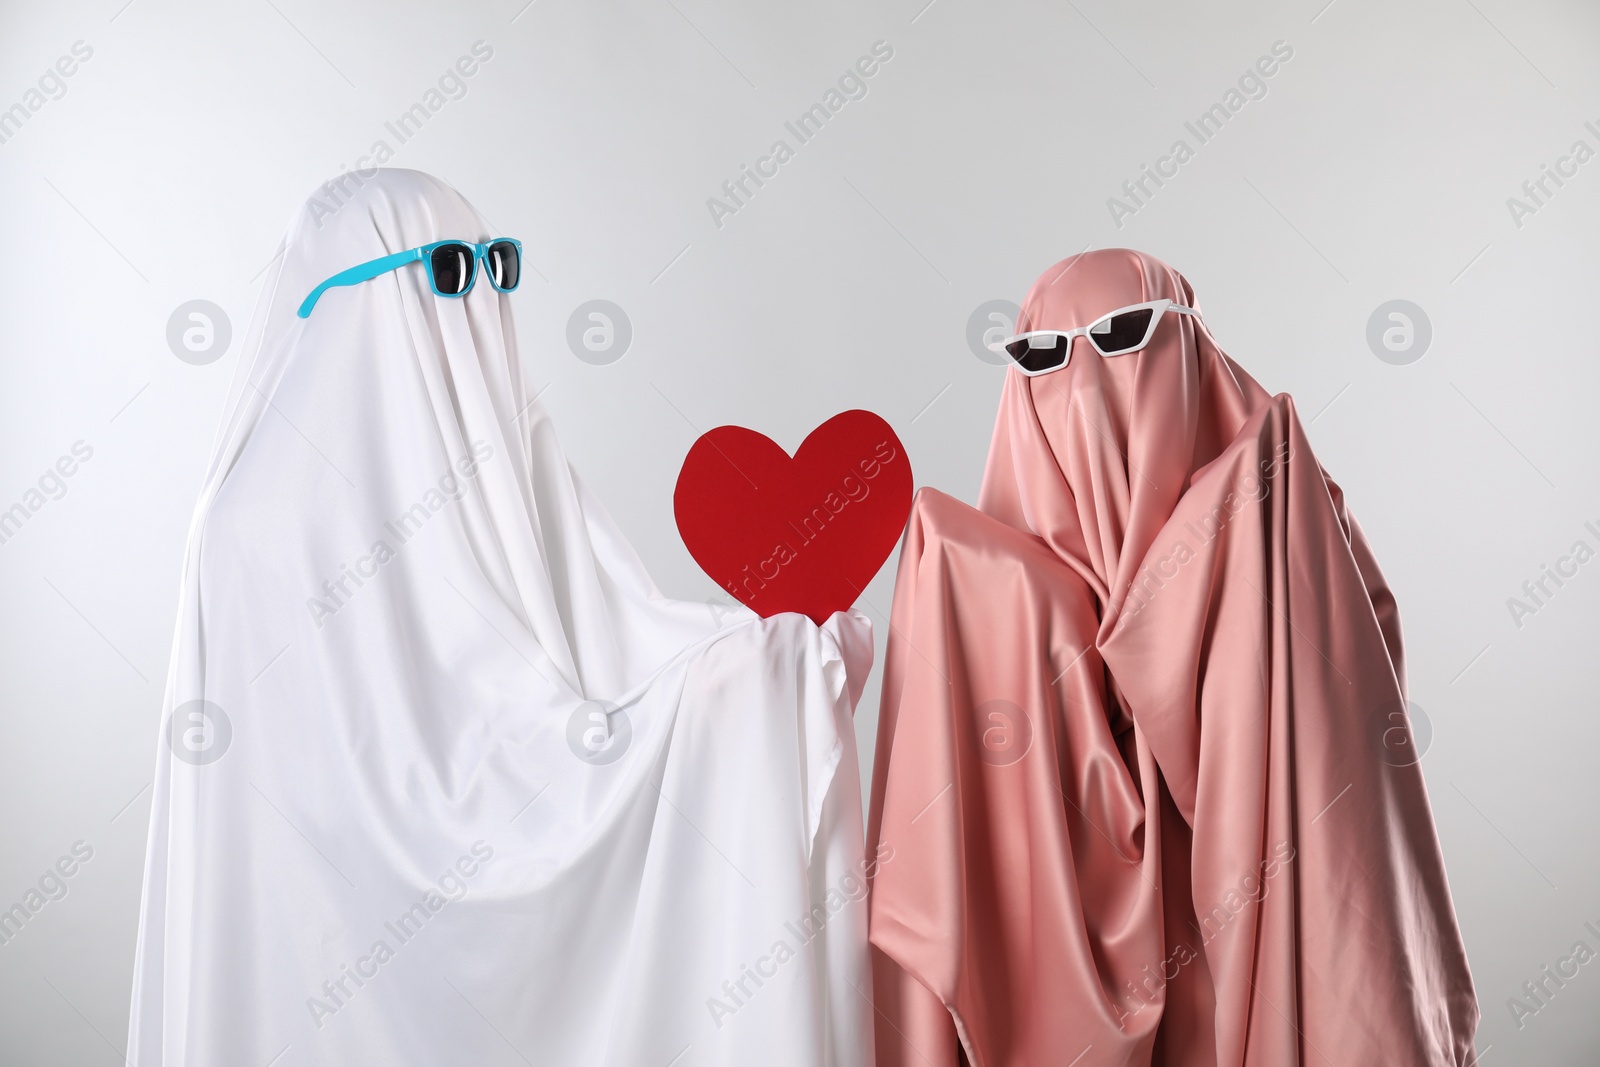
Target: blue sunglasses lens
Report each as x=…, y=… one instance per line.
x=452, y=266
x=505, y=265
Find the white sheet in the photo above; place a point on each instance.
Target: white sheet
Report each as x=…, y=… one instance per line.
x=384, y=848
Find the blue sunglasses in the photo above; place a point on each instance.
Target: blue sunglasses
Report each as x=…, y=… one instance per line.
x=452, y=268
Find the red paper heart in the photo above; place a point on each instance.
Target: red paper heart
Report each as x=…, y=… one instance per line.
x=805, y=534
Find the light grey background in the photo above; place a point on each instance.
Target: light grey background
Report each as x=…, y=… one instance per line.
x=1377, y=167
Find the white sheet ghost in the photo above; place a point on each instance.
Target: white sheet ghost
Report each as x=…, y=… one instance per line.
x=443, y=779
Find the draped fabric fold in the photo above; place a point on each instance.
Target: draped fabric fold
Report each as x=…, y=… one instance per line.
x=1142, y=754
x=442, y=777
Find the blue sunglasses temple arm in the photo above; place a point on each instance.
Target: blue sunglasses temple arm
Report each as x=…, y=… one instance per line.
x=360, y=273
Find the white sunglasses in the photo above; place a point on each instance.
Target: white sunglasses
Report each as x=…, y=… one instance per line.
x=1115, y=333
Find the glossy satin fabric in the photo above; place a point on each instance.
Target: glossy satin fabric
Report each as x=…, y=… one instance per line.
x=1142, y=756
x=399, y=595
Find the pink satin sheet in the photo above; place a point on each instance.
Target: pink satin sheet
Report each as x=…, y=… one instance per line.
x=1142, y=757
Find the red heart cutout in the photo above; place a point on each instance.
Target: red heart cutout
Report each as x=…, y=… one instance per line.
x=805, y=534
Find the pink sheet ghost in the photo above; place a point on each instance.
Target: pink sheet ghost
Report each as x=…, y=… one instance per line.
x=1143, y=763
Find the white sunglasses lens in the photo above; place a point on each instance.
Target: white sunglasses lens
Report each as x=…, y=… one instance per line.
x=1040, y=353
x=1121, y=333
